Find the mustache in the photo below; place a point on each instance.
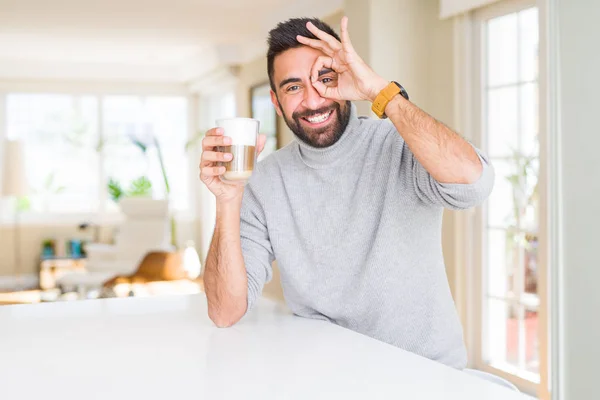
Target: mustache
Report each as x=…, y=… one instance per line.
x=310, y=113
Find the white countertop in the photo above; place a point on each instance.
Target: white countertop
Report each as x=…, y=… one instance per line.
x=167, y=348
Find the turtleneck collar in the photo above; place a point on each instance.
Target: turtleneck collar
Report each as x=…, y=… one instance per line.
x=321, y=157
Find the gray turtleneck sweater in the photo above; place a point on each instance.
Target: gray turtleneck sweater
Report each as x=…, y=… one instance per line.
x=356, y=232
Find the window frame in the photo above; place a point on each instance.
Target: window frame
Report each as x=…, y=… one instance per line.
x=477, y=119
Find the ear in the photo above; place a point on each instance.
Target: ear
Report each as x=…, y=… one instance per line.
x=275, y=103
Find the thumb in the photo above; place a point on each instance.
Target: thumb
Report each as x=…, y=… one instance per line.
x=327, y=91
x=260, y=146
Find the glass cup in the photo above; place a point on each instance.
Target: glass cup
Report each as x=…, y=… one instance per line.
x=244, y=134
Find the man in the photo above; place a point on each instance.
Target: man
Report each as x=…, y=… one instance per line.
x=352, y=210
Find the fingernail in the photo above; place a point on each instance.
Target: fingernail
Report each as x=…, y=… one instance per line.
x=227, y=140
x=219, y=130
x=228, y=156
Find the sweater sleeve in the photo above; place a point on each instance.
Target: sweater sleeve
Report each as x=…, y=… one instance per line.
x=256, y=246
x=455, y=196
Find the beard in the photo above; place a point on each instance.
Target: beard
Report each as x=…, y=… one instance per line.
x=323, y=136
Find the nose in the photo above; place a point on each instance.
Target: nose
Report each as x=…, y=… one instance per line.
x=312, y=98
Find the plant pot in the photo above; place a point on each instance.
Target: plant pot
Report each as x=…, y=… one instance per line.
x=136, y=207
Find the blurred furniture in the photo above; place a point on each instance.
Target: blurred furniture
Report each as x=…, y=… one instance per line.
x=53, y=268
x=491, y=378
x=145, y=229
x=155, y=266
x=155, y=272
x=14, y=184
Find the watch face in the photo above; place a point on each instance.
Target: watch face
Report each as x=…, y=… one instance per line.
x=403, y=92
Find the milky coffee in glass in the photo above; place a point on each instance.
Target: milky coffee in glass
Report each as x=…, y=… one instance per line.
x=244, y=134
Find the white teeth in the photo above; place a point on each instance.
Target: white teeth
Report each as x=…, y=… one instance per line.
x=318, y=118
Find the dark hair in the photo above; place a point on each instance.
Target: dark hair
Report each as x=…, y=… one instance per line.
x=283, y=37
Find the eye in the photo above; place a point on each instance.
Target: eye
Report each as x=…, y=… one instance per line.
x=326, y=80
x=292, y=88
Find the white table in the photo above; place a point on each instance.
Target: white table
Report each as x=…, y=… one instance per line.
x=167, y=348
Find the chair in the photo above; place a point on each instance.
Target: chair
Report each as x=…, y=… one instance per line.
x=155, y=266
x=491, y=378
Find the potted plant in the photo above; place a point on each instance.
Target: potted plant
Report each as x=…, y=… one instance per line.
x=137, y=199
x=522, y=240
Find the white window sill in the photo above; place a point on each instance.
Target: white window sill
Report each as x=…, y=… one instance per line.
x=70, y=219
x=62, y=219
x=513, y=370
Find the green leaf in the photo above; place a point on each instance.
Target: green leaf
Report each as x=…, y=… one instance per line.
x=142, y=146
x=23, y=203
x=140, y=187
x=514, y=179
x=193, y=141
x=115, y=190
x=49, y=180
x=100, y=145
x=162, y=166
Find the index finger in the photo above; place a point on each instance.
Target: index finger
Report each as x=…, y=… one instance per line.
x=315, y=43
x=215, y=132
x=345, y=36
x=326, y=37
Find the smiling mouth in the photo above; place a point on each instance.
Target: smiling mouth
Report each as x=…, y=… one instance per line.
x=318, y=119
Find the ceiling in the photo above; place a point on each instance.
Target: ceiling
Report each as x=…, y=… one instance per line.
x=139, y=40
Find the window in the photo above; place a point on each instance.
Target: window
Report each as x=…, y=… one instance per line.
x=263, y=110
x=127, y=118
x=507, y=38
x=74, y=144
x=59, y=135
x=512, y=213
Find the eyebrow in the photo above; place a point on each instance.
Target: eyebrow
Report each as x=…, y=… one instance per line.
x=293, y=80
x=325, y=71
x=289, y=80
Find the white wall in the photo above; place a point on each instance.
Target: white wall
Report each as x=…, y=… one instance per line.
x=579, y=55
x=404, y=40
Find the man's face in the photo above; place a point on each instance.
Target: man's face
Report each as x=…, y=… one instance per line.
x=317, y=121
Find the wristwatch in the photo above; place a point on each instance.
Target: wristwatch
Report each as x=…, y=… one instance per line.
x=385, y=96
